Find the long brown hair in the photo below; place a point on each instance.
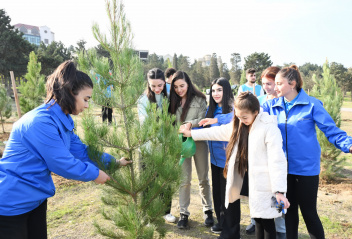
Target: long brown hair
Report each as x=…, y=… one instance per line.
x=175, y=99
x=244, y=101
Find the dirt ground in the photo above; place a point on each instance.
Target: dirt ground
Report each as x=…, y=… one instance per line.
x=334, y=206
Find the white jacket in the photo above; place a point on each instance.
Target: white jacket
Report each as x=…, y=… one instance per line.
x=266, y=160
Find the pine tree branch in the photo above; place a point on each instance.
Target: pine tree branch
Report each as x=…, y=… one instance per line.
x=147, y=183
x=155, y=195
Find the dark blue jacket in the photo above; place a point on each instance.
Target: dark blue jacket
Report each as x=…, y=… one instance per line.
x=300, y=141
x=217, y=149
x=41, y=142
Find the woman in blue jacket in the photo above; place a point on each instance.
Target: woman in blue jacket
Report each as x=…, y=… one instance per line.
x=297, y=115
x=41, y=142
x=220, y=111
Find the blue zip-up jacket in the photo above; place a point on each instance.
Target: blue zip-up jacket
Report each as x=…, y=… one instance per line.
x=41, y=142
x=217, y=149
x=300, y=141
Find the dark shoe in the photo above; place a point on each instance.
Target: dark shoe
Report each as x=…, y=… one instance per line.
x=250, y=229
x=280, y=235
x=216, y=228
x=183, y=222
x=209, y=221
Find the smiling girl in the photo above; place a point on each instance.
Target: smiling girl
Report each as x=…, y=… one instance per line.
x=298, y=114
x=220, y=111
x=189, y=106
x=41, y=142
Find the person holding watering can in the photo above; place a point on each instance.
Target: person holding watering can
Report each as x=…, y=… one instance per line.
x=189, y=106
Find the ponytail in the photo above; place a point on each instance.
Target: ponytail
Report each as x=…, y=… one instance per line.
x=292, y=73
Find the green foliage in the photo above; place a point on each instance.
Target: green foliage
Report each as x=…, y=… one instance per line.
x=137, y=195
x=14, y=49
x=235, y=71
x=5, y=106
x=341, y=75
x=33, y=89
x=51, y=56
x=174, y=62
x=243, y=78
x=214, y=72
x=327, y=90
x=258, y=61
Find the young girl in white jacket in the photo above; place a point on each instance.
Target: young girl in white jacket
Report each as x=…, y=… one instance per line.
x=254, y=151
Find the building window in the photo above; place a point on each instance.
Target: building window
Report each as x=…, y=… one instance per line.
x=46, y=41
x=45, y=31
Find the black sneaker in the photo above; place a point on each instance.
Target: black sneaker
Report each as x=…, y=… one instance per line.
x=216, y=228
x=183, y=222
x=250, y=229
x=209, y=221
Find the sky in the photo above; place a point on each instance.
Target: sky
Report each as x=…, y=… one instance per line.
x=297, y=31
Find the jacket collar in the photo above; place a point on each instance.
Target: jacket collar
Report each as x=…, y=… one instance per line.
x=65, y=119
x=303, y=99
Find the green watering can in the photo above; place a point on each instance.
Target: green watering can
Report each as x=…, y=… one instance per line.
x=188, y=147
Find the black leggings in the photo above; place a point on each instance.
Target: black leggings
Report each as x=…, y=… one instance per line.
x=265, y=228
x=30, y=225
x=219, y=188
x=302, y=191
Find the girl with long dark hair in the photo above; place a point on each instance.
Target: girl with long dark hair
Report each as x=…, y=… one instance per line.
x=254, y=151
x=189, y=105
x=220, y=111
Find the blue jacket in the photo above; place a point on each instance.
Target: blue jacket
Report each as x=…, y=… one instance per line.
x=41, y=142
x=217, y=149
x=300, y=141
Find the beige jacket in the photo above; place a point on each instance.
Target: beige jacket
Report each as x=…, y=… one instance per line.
x=196, y=112
x=266, y=160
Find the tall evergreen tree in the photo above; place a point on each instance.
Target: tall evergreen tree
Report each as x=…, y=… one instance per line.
x=243, y=78
x=235, y=71
x=258, y=61
x=32, y=89
x=14, y=49
x=327, y=90
x=52, y=55
x=5, y=106
x=174, y=62
x=214, y=72
x=136, y=197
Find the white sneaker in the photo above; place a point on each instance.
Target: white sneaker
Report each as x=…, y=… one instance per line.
x=170, y=218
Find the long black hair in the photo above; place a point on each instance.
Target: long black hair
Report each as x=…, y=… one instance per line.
x=64, y=83
x=227, y=97
x=155, y=74
x=175, y=99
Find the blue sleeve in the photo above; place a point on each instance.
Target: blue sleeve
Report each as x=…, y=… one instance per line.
x=80, y=151
x=327, y=125
x=44, y=141
x=225, y=118
x=266, y=107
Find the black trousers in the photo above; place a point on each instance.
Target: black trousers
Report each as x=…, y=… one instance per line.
x=231, y=224
x=106, y=113
x=265, y=228
x=219, y=189
x=30, y=225
x=302, y=192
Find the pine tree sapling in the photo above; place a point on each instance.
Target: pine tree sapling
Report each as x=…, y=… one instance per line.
x=33, y=89
x=327, y=90
x=5, y=106
x=136, y=197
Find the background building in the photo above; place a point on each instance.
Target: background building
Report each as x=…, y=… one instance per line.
x=35, y=34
